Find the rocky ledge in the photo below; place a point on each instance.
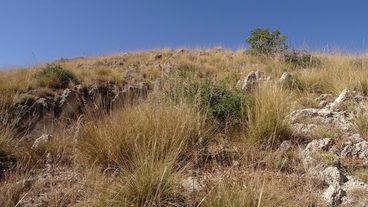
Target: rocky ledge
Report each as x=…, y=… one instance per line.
x=332, y=160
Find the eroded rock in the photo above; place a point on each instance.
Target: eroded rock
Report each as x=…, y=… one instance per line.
x=41, y=141
x=358, y=150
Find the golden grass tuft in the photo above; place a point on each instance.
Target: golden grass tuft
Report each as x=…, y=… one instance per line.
x=267, y=116
x=161, y=131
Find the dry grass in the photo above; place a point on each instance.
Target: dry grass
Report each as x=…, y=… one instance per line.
x=148, y=145
x=161, y=131
x=262, y=188
x=266, y=116
x=138, y=155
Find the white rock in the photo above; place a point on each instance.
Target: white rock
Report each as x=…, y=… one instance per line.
x=41, y=141
x=333, y=195
x=249, y=81
x=191, y=184
x=358, y=151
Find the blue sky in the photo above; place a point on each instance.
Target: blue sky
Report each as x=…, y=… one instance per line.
x=33, y=31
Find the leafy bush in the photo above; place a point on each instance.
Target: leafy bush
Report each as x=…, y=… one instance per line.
x=224, y=104
x=264, y=42
x=54, y=76
x=301, y=59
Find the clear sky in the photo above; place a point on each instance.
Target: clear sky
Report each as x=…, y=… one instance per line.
x=33, y=31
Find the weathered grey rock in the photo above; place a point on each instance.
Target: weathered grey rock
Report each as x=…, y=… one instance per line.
x=332, y=176
x=323, y=118
x=308, y=154
x=249, y=81
x=285, y=146
x=340, y=188
x=344, y=95
x=38, y=116
x=357, y=150
x=41, y=141
x=356, y=192
x=285, y=77
x=70, y=104
x=333, y=195
x=191, y=184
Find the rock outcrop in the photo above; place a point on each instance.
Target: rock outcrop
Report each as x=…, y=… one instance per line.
x=324, y=158
x=40, y=114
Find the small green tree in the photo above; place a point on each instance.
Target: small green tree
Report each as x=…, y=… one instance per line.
x=264, y=42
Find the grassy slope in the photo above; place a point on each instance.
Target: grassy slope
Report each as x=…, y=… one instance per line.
x=140, y=155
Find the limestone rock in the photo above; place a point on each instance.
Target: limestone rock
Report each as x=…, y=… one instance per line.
x=285, y=76
x=308, y=154
x=191, y=184
x=357, y=150
x=333, y=195
x=41, y=141
x=249, y=81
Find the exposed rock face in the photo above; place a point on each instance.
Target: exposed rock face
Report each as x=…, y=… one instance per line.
x=42, y=113
x=339, y=187
x=358, y=150
x=328, y=116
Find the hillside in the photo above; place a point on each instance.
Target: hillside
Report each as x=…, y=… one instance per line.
x=185, y=127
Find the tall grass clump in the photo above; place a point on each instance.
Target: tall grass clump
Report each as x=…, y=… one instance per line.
x=54, y=76
x=157, y=130
x=149, y=145
x=257, y=191
x=267, y=116
x=361, y=123
x=149, y=184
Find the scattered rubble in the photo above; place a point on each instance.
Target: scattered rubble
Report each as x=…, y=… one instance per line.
x=339, y=187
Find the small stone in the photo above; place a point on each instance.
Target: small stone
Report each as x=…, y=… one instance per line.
x=285, y=76
x=191, y=184
x=285, y=146
x=41, y=141
x=249, y=81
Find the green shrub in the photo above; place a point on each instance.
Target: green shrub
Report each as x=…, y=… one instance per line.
x=54, y=76
x=301, y=59
x=224, y=104
x=264, y=42
x=220, y=103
